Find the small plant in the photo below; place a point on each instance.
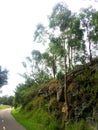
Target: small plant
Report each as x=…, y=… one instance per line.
x=81, y=125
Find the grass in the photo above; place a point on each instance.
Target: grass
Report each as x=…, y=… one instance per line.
x=41, y=120
x=21, y=119
x=81, y=125
x=2, y=107
x=36, y=120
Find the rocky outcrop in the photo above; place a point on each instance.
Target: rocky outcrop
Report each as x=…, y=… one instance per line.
x=82, y=85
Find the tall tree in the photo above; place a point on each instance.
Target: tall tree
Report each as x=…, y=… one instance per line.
x=66, y=37
x=86, y=22
x=50, y=63
x=36, y=71
x=60, y=18
x=94, y=33
x=42, y=35
x=76, y=44
x=71, y=38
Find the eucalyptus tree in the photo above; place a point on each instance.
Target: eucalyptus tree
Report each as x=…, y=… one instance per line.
x=31, y=65
x=60, y=18
x=76, y=44
x=56, y=50
x=36, y=71
x=42, y=35
x=94, y=33
x=26, y=74
x=86, y=16
x=36, y=59
x=71, y=40
x=39, y=70
x=50, y=63
x=65, y=38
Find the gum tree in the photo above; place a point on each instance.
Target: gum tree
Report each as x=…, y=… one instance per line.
x=60, y=18
x=87, y=24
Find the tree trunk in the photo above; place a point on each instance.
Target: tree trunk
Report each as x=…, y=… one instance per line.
x=65, y=86
x=90, y=51
x=69, y=57
x=54, y=65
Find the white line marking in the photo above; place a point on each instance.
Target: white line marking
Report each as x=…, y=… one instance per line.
x=3, y=127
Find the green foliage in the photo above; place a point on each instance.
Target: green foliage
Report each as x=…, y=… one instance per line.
x=7, y=100
x=36, y=120
x=3, y=77
x=81, y=125
x=2, y=107
x=35, y=104
x=36, y=71
x=67, y=36
x=60, y=13
x=87, y=22
x=60, y=75
x=40, y=33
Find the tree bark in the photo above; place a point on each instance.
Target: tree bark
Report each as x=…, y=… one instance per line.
x=65, y=85
x=90, y=51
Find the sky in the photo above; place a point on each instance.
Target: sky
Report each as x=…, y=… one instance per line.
x=18, y=20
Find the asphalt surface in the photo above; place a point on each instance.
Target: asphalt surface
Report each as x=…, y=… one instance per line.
x=7, y=121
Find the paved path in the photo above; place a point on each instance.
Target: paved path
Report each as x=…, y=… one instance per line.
x=7, y=122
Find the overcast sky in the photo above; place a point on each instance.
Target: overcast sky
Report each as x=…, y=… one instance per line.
x=18, y=20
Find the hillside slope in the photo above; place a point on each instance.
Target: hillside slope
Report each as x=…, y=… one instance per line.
x=47, y=100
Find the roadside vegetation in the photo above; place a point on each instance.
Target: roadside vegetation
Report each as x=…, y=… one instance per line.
x=60, y=91
x=36, y=120
x=40, y=120
x=2, y=107
x=7, y=100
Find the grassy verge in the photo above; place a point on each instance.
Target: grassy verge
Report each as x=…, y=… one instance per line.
x=2, y=107
x=36, y=120
x=21, y=118
x=41, y=120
